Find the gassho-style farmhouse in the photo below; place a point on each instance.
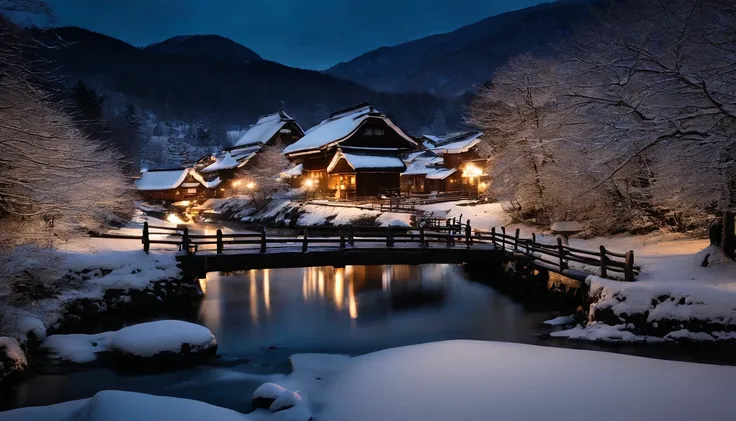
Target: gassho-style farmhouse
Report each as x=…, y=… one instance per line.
x=356, y=153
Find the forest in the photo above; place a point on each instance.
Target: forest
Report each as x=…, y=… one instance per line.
x=630, y=126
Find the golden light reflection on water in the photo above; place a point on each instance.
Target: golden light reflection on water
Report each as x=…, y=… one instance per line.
x=253, y=298
x=267, y=290
x=351, y=291
x=341, y=286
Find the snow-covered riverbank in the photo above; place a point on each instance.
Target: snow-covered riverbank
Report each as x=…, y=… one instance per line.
x=464, y=380
x=675, y=298
x=288, y=213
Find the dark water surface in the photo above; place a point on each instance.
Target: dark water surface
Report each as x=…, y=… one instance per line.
x=262, y=317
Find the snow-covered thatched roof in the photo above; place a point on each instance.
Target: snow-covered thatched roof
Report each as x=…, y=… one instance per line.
x=368, y=159
x=265, y=129
x=452, y=143
x=417, y=168
x=296, y=171
x=170, y=179
x=224, y=162
x=161, y=179
x=441, y=173
x=231, y=158
x=339, y=127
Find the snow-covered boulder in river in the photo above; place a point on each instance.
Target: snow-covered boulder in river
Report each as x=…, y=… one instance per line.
x=163, y=343
x=155, y=345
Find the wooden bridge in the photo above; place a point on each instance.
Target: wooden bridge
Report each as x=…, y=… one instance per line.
x=432, y=242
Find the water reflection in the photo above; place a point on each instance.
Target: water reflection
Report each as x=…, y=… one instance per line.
x=335, y=308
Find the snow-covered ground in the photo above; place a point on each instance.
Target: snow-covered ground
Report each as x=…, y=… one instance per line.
x=487, y=381
x=87, y=267
x=125, y=406
x=672, y=285
x=280, y=211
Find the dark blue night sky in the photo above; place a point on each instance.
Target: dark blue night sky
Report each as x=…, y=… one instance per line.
x=312, y=34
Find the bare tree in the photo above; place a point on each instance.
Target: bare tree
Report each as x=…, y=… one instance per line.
x=54, y=182
x=262, y=180
x=633, y=119
x=657, y=79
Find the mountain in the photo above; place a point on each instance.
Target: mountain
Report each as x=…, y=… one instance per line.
x=454, y=63
x=212, y=47
x=224, y=91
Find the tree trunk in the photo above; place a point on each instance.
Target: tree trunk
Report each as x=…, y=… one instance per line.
x=728, y=242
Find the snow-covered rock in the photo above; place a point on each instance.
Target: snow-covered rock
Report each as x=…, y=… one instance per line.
x=125, y=406
x=31, y=328
x=561, y=321
x=166, y=342
x=77, y=348
x=492, y=381
x=286, y=400
x=265, y=395
x=286, y=404
x=163, y=337
x=12, y=358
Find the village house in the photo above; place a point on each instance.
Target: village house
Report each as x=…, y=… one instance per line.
x=450, y=163
x=354, y=153
x=277, y=130
x=175, y=185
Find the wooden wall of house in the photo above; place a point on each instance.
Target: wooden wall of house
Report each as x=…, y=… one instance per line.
x=287, y=139
x=414, y=184
x=389, y=139
x=373, y=184
x=454, y=160
x=453, y=183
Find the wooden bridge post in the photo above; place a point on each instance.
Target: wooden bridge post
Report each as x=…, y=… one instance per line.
x=629, y=266
x=503, y=237
x=493, y=236
x=422, y=240
x=561, y=251
x=342, y=237
x=263, y=239
x=185, y=240
x=468, y=234
x=604, y=263
x=145, y=238
x=305, y=240
x=220, y=245
x=534, y=241
x=352, y=235
x=389, y=237
x=516, y=240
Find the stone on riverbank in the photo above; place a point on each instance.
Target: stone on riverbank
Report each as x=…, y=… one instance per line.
x=290, y=405
x=265, y=395
x=13, y=360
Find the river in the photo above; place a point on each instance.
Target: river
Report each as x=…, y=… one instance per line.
x=262, y=317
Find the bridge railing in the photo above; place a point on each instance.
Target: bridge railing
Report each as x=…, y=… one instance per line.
x=556, y=257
